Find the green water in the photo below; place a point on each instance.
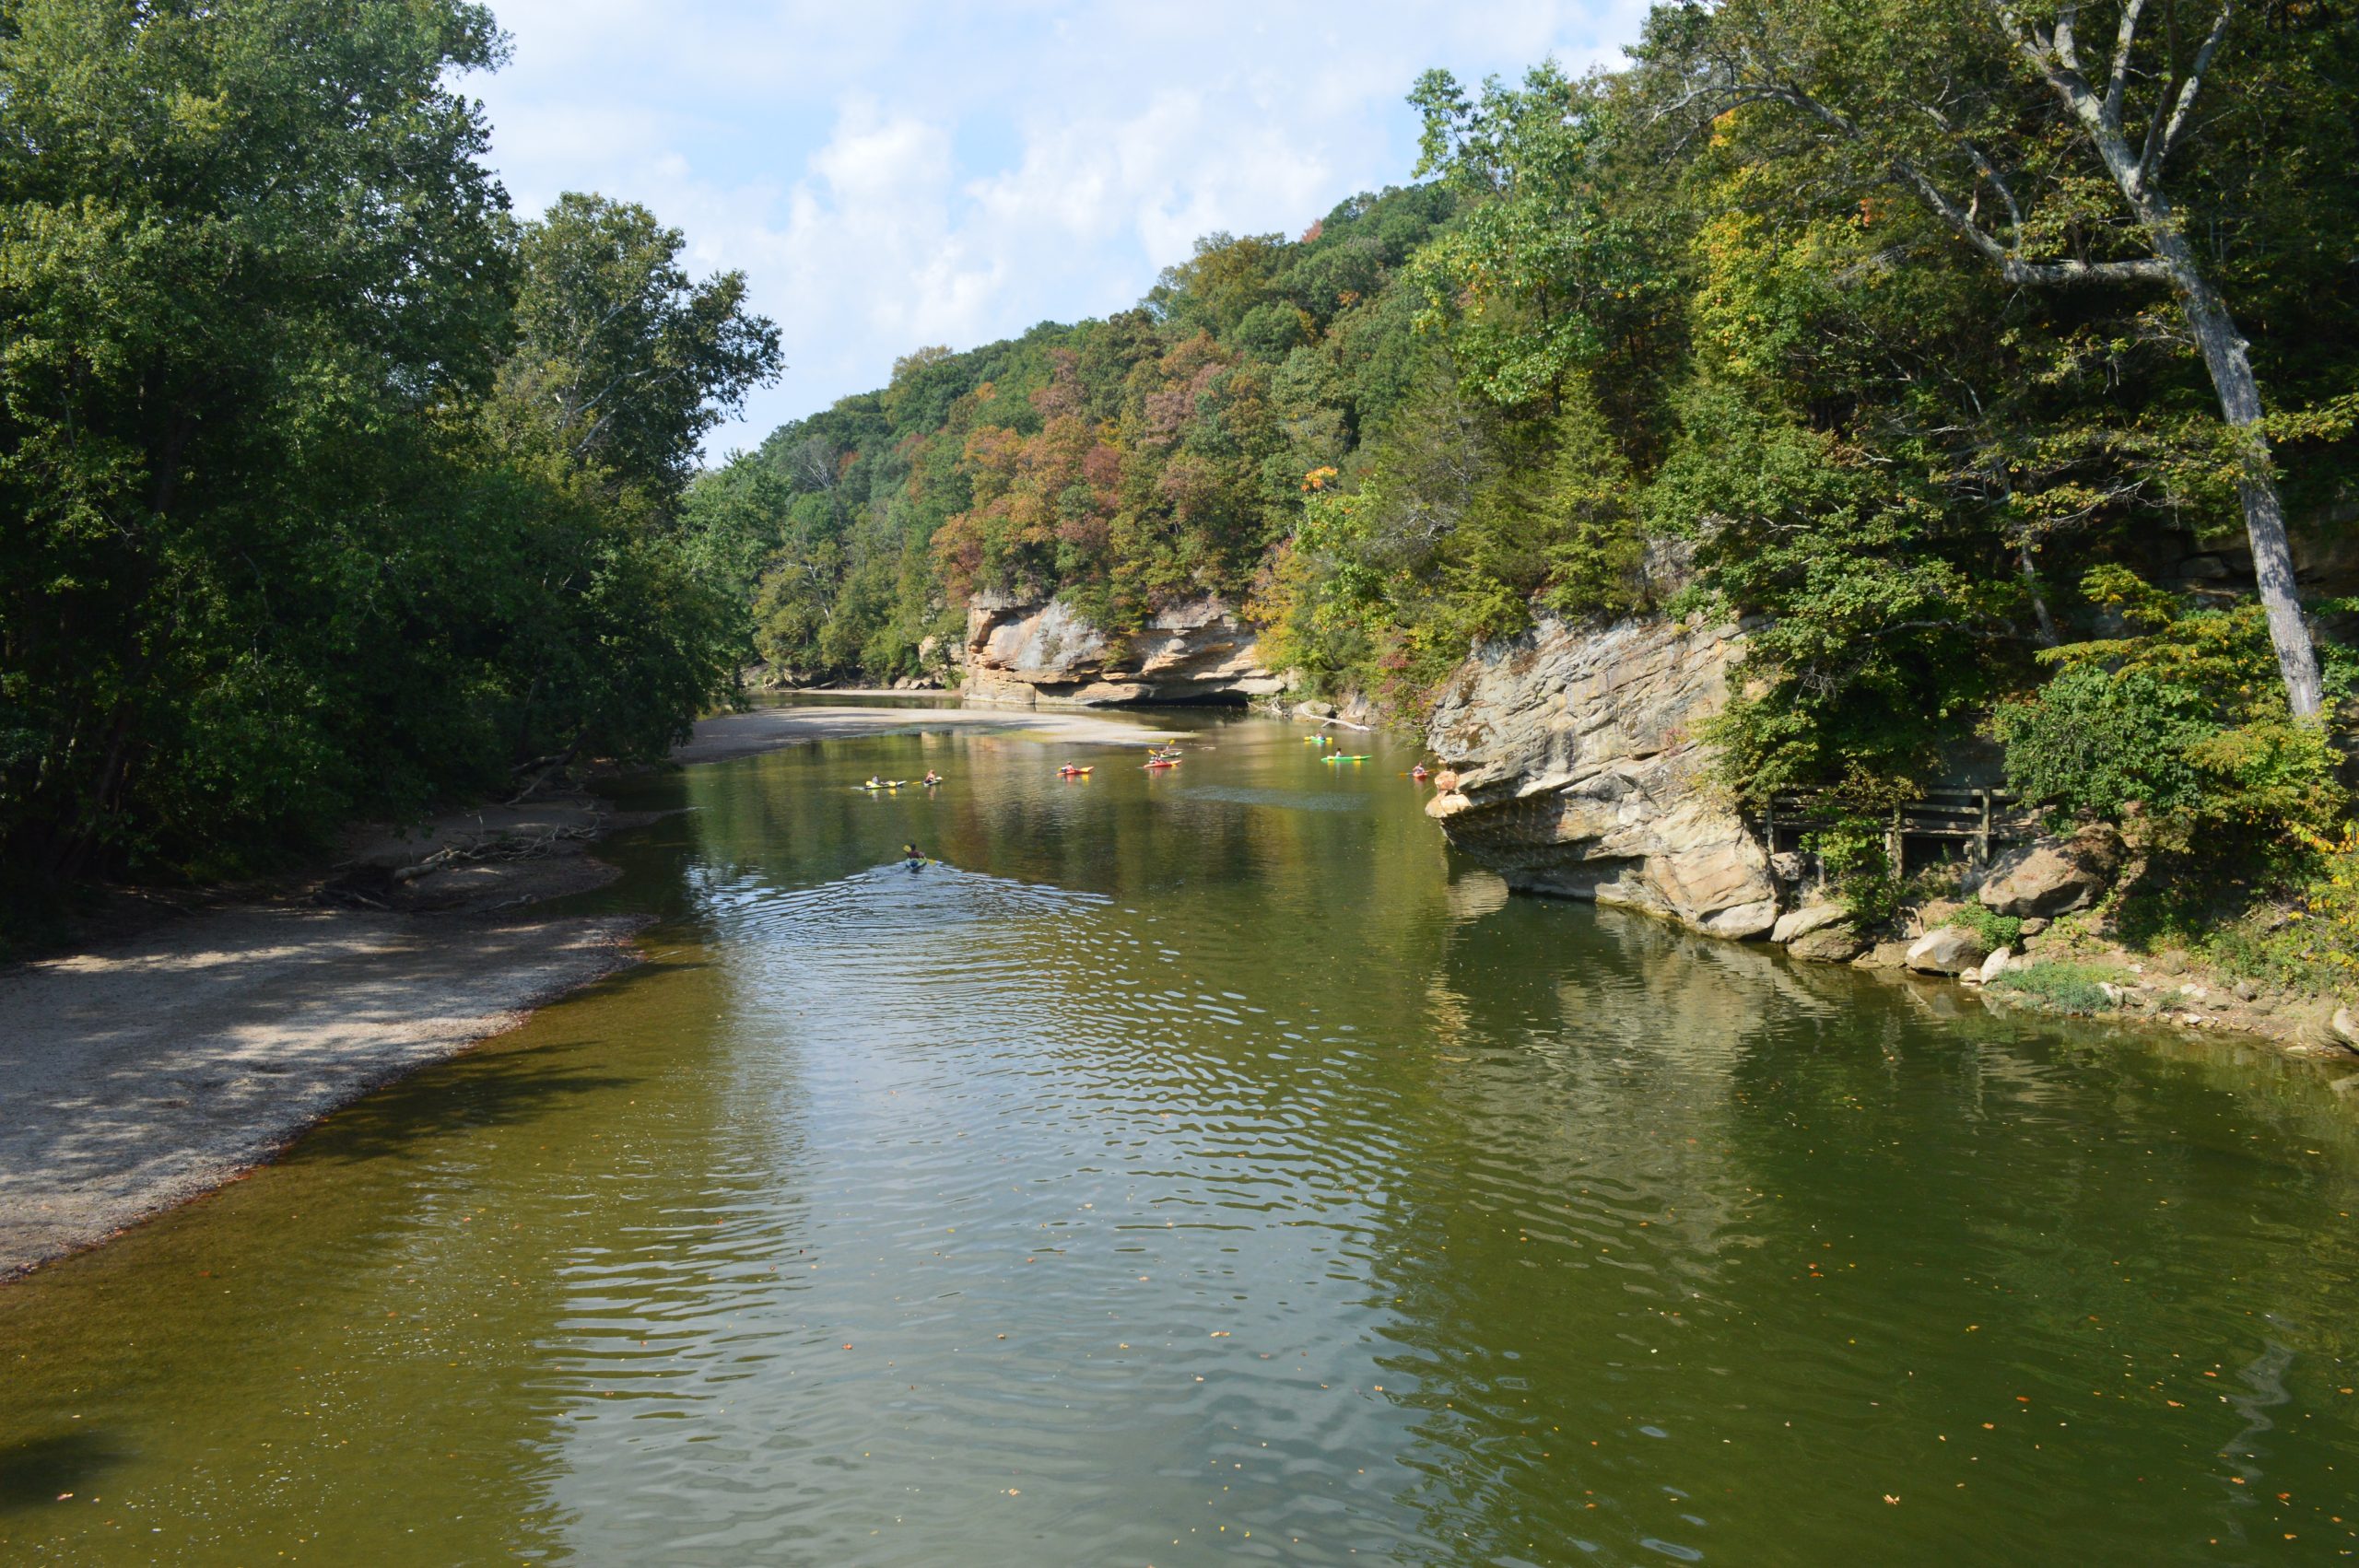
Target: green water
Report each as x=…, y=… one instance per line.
x=1203, y=1166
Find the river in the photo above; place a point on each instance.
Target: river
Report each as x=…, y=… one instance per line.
x=1203, y=1166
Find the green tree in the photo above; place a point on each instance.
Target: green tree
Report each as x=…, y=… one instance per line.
x=250, y=260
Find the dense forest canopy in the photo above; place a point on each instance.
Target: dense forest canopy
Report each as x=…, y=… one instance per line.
x=1993, y=361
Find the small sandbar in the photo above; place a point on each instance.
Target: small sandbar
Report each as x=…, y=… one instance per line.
x=729, y=735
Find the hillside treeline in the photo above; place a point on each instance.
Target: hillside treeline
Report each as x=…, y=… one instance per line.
x=331, y=485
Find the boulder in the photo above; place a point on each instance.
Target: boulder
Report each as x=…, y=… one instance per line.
x=2053, y=876
x=1837, y=944
x=1884, y=956
x=1802, y=922
x=2346, y=1028
x=1572, y=767
x=1995, y=965
x=1946, y=950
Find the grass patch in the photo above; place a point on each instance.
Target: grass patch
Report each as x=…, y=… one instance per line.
x=2061, y=988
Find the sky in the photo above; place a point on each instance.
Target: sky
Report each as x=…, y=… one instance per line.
x=890, y=175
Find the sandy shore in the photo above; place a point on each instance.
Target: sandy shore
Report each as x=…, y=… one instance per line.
x=138, y=1078
x=741, y=734
x=150, y=1069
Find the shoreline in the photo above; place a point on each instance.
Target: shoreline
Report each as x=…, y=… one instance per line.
x=169, y=1056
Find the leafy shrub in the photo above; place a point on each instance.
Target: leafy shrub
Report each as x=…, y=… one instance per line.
x=1995, y=931
x=2324, y=930
x=2065, y=987
x=2094, y=741
x=1852, y=857
x=2185, y=716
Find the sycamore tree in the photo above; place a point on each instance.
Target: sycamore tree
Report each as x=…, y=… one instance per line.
x=2122, y=146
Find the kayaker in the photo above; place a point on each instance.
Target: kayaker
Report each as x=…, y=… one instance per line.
x=932, y=777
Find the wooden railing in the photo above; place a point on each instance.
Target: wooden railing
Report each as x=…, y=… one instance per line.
x=1978, y=818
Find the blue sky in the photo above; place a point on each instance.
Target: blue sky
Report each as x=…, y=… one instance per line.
x=889, y=174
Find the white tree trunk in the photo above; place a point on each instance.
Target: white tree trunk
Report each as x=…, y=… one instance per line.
x=2225, y=357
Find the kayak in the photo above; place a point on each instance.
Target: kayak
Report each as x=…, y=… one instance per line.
x=1072, y=772
x=1340, y=757
x=1164, y=762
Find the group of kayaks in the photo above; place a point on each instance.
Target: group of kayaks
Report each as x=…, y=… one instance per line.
x=884, y=785
x=1158, y=758
x=1168, y=757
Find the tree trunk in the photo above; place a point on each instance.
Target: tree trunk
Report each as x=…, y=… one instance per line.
x=2272, y=557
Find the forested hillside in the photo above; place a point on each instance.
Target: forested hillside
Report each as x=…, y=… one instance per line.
x=1983, y=358
x=1120, y=463
x=331, y=485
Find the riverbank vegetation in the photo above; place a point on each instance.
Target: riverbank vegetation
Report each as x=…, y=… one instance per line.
x=1994, y=364
x=333, y=485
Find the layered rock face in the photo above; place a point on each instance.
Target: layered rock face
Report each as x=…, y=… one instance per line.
x=1045, y=655
x=1579, y=773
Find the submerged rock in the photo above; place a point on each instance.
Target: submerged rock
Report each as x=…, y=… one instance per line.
x=2054, y=876
x=1838, y=943
x=1579, y=772
x=1049, y=655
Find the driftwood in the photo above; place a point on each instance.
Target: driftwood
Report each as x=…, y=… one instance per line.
x=392, y=888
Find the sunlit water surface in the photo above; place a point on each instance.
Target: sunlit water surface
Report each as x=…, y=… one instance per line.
x=1203, y=1166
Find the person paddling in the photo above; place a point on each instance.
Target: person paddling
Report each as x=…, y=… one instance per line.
x=913, y=854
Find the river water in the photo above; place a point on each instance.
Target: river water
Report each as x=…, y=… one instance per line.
x=1203, y=1166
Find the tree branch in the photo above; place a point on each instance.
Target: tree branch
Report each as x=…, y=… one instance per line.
x=2117, y=85
x=2185, y=105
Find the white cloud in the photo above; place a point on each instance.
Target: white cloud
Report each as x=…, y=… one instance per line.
x=900, y=174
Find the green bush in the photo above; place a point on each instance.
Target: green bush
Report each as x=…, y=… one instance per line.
x=1996, y=931
x=2064, y=987
x=2185, y=716
x=2093, y=741
x=1852, y=857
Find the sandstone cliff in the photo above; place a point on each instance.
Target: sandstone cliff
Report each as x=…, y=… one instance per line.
x=1045, y=655
x=1579, y=773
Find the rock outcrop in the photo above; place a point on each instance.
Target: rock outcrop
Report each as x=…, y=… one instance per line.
x=1579, y=773
x=1046, y=655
